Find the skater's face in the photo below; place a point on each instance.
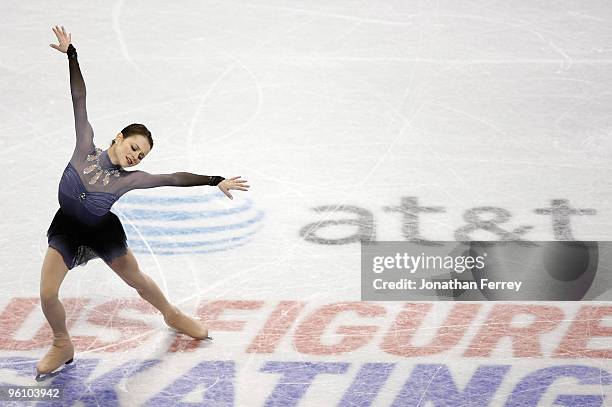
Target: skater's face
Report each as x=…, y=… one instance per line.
x=131, y=150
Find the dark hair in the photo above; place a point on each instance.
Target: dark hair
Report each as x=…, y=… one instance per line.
x=134, y=129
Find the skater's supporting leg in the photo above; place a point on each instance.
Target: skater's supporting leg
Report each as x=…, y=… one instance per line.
x=52, y=274
x=127, y=268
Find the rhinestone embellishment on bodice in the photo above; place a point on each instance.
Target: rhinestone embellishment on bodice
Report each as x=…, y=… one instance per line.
x=98, y=169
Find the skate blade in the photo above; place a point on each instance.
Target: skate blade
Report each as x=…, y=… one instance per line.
x=41, y=377
x=176, y=331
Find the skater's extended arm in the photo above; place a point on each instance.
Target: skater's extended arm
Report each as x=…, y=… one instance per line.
x=143, y=180
x=84, y=132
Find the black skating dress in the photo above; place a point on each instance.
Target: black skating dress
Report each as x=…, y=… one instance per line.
x=84, y=227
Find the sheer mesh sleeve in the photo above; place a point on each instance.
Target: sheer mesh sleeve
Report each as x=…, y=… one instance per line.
x=84, y=131
x=144, y=180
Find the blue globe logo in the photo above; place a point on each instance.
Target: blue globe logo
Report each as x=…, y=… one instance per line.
x=175, y=225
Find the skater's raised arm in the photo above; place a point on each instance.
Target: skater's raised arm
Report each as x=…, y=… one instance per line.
x=84, y=132
x=143, y=180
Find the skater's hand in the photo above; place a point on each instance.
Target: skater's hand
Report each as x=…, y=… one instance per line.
x=63, y=37
x=233, y=183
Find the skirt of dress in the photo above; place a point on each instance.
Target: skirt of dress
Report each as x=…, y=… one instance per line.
x=78, y=243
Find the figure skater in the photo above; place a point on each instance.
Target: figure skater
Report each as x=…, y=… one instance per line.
x=84, y=228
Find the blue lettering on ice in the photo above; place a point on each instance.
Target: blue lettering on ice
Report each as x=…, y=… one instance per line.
x=364, y=389
x=21, y=366
x=587, y=400
x=296, y=378
x=97, y=392
x=215, y=378
x=533, y=386
x=431, y=383
x=72, y=379
x=435, y=384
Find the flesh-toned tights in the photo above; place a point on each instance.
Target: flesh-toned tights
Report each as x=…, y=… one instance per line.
x=54, y=270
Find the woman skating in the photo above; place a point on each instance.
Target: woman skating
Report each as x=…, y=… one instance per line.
x=84, y=228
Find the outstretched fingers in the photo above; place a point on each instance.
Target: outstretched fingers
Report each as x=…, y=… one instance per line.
x=239, y=185
x=236, y=183
x=61, y=34
x=233, y=183
x=63, y=37
x=58, y=33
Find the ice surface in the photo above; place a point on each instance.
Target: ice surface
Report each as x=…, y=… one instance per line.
x=332, y=111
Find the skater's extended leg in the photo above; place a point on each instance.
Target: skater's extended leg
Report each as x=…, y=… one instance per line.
x=52, y=274
x=127, y=268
